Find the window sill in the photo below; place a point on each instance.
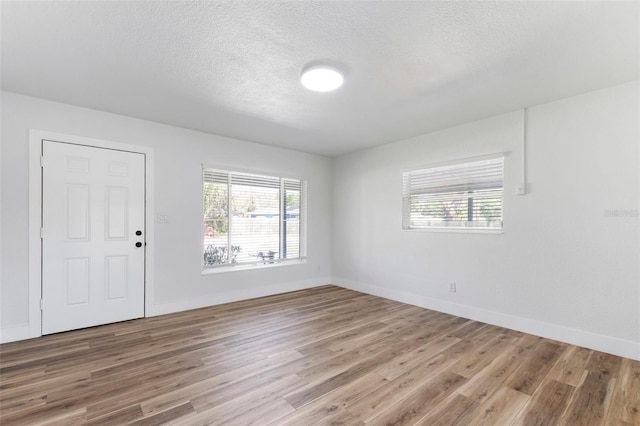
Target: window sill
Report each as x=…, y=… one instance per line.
x=457, y=230
x=246, y=267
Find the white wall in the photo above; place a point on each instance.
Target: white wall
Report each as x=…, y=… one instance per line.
x=178, y=282
x=562, y=268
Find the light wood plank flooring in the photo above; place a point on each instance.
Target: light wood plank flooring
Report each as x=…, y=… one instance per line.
x=325, y=356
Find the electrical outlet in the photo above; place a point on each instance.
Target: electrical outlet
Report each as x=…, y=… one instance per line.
x=163, y=218
x=452, y=287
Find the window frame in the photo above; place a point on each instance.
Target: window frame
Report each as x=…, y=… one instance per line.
x=282, y=217
x=406, y=197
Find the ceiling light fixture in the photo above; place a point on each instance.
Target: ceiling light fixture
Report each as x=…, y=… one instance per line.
x=321, y=78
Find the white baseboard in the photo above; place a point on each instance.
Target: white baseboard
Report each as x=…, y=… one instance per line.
x=599, y=342
x=29, y=331
x=234, y=296
x=17, y=332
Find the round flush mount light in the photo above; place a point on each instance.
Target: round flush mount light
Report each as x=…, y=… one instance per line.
x=321, y=78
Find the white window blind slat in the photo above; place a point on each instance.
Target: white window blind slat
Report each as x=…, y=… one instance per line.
x=458, y=178
x=214, y=176
x=255, y=180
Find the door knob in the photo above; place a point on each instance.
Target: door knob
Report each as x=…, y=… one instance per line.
x=138, y=232
x=138, y=244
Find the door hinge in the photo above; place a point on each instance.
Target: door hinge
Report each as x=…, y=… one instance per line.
x=41, y=233
x=42, y=161
x=42, y=304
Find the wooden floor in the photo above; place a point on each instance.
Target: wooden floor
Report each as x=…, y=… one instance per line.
x=325, y=356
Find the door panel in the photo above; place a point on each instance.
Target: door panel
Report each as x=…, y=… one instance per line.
x=92, y=206
x=116, y=203
x=76, y=280
x=77, y=212
x=116, y=277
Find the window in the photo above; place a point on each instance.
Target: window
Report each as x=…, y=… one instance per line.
x=251, y=219
x=456, y=196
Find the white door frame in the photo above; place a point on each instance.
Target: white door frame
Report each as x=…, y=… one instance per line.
x=35, y=216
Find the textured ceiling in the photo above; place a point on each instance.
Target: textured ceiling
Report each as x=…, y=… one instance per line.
x=232, y=67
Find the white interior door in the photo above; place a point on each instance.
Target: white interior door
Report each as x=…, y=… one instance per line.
x=93, y=246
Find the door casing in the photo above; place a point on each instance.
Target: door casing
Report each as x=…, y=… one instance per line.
x=35, y=216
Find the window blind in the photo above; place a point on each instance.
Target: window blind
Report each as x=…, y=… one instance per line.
x=252, y=219
x=466, y=195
